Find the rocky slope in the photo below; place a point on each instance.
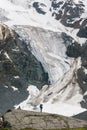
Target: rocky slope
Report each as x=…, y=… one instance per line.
x=81, y=116
x=20, y=119
x=18, y=69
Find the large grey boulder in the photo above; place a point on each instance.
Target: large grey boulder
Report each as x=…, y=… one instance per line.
x=20, y=119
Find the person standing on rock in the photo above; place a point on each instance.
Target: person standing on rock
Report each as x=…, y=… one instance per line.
x=41, y=107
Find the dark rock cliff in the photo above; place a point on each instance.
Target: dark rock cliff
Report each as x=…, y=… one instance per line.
x=18, y=69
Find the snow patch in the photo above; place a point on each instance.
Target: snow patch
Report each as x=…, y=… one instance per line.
x=62, y=108
x=7, y=56
x=85, y=70
x=16, y=77
x=6, y=86
x=14, y=88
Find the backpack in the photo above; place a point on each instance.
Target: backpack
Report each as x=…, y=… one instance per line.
x=41, y=106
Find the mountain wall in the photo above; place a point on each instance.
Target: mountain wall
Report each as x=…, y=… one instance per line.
x=18, y=69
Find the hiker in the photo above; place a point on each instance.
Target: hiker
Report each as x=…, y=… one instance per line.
x=41, y=107
x=19, y=108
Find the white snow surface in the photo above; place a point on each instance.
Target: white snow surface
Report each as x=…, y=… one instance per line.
x=61, y=108
x=22, y=13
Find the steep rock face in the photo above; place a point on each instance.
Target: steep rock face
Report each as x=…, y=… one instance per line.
x=18, y=69
x=83, y=30
x=67, y=12
x=75, y=50
x=38, y=8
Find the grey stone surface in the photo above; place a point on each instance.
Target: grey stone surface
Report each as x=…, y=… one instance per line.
x=40, y=121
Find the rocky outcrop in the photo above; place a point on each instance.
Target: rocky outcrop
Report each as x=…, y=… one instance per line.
x=83, y=30
x=37, y=6
x=76, y=50
x=19, y=119
x=18, y=69
x=68, y=12
x=81, y=116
